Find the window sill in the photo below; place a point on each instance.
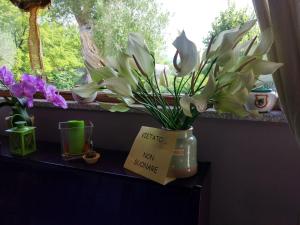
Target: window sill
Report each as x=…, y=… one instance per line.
x=274, y=116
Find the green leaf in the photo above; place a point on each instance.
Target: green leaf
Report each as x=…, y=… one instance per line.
x=139, y=51
x=87, y=90
x=187, y=51
x=114, y=107
x=118, y=85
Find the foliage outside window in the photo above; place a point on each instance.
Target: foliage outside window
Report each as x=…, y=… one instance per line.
x=61, y=26
x=230, y=18
x=109, y=24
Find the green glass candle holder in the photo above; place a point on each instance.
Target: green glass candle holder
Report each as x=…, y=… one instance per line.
x=76, y=138
x=21, y=139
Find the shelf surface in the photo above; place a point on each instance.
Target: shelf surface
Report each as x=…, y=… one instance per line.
x=110, y=163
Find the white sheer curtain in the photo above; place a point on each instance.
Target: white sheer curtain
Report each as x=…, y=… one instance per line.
x=284, y=18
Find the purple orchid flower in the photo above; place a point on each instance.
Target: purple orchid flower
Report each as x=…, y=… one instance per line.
x=28, y=86
x=52, y=96
x=17, y=90
x=6, y=76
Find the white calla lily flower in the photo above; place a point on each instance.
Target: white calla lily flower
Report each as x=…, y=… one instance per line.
x=118, y=85
x=140, y=53
x=114, y=107
x=87, y=90
x=188, y=54
x=262, y=67
x=266, y=42
x=226, y=40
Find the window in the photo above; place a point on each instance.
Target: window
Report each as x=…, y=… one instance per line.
x=111, y=21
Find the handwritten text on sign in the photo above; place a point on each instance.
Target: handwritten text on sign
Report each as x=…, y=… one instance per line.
x=151, y=154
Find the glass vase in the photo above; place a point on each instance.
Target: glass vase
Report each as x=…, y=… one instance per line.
x=184, y=160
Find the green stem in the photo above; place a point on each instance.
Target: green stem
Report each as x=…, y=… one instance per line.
x=210, y=67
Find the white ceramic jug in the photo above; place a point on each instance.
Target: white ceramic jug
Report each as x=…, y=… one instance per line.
x=262, y=99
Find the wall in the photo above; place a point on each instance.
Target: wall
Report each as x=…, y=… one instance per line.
x=255, y=173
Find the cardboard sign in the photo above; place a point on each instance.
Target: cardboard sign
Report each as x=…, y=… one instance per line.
x=151, y=153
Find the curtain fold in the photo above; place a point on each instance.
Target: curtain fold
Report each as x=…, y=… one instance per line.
x=284, y=18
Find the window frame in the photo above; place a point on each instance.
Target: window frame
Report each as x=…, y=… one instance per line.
x=101, y=97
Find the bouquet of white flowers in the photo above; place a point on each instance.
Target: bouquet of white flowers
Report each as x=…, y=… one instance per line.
x=222, y=77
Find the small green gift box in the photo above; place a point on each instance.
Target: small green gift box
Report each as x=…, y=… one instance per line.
x=21, y=139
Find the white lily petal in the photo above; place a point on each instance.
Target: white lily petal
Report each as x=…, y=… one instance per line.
x=121, y=64
x=162, y=78
x=242, y=63
x=111, y=62
x=265, y=43
x=124, y=70
x=118, y=85
x=187, y=51
x=226, y=77
x=87, y=90
x=162, y=81
x=221, y=38
x=244, y=45
x=139, y=51
x=248, y=79
x=262, y=67
x=200, y=102
x=210, y=86
x=101, y=73
x=225, y=58
x=235, y=54
x=185, y=103
x=235, y=86
x=228, y=39
x=232, y=103
x=114, y=107
x=128, y=101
